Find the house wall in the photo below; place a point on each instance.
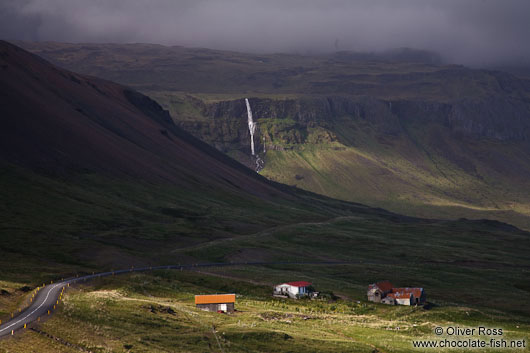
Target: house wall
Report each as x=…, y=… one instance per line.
x=283, y=288
x=403, y=301
x=420, y=300
x=388, y=300
x=291, y=291
x=374, y=295
x=230, y=308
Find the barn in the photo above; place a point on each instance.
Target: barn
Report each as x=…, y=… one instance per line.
x=293, y=289
x=379, y=290
x=401, y=298
x=384, y=292
x=216, y=302
x=418, y=294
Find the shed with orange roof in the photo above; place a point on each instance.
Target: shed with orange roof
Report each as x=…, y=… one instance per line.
x=216, y=302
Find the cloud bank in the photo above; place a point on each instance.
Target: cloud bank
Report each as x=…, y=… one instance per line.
x=472, y=32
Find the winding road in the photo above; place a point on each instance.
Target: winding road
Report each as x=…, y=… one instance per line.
x=44, y=299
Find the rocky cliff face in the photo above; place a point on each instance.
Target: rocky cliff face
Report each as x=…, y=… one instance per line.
x=283, y=124
x=503, y=119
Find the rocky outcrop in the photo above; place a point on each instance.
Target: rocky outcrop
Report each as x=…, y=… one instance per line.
x=503, y=119
x=283, y=124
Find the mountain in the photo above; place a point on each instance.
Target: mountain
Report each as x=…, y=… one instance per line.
x=54, y=120
x=96, y=176
x=99, y=175
x=397, y=130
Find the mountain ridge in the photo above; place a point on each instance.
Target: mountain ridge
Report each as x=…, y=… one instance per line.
x=419, y=138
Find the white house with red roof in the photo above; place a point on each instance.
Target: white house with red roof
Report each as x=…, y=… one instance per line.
x=293, y=289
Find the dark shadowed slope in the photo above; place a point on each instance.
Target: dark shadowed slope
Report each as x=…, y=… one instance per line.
x=57, y=121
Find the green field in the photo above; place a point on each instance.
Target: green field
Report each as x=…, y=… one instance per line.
x=155, y=313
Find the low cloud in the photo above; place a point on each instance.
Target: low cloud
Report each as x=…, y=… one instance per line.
x=472, y=32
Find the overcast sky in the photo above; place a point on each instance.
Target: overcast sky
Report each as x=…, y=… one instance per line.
x=473, y=32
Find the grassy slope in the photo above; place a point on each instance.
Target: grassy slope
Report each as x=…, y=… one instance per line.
x=77, y=218
x=464, y=261
x=91, y=223
x=406, y=180
x=467, y=268
x=55, y=227
x=155, y=312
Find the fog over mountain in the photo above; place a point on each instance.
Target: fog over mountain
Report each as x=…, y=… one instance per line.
x=472, y=32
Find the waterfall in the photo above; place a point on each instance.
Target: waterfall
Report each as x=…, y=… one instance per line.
x=260, y=163
x=251, y=126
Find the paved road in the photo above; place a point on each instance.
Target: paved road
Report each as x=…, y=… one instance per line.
x=46, y=297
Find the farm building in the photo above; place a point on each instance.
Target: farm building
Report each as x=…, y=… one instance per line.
x=293, y=289
x=216, y=302
x=377, y=291
x=400, y=298
x=384, y=292
x=417, y=294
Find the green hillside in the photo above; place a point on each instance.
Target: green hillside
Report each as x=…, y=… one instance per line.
x=399, y=131
x=378, y=157
x=408, y=176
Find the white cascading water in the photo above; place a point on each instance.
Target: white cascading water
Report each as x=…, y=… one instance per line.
x=252, y=129
x=251, y=126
